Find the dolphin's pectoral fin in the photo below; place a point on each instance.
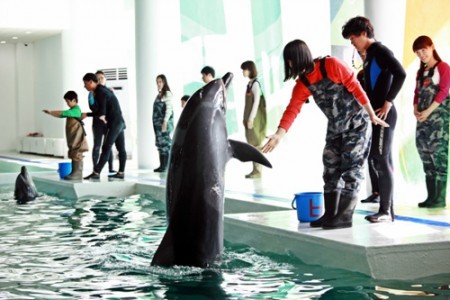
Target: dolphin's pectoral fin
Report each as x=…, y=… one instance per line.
x=246, y=152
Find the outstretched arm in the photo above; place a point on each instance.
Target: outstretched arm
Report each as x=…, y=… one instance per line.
x=55, y=113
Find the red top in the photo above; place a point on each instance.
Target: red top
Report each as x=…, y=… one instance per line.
x=338, y=72
x=443, y=81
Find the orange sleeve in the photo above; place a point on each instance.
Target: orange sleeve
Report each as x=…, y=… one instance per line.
x=300, y=94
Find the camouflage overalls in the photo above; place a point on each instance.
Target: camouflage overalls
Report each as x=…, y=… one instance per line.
x=162, y=139
x=348, y=135
x=432, y=135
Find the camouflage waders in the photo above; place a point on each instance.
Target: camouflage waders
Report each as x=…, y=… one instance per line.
x=432, y=137
x=162, y=139
x=346, y=149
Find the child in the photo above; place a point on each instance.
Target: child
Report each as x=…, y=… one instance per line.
x=341, y=98
x=75, y=134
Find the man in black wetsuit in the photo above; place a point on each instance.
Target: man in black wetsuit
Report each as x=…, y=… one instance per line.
x=383, y=79
x=108, y=111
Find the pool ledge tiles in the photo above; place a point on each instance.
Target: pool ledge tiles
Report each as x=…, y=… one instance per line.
x=405, y=249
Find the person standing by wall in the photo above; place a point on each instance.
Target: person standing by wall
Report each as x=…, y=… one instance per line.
x=99, y=128
x=163, y=121
x=432, y=111
x=383, y=79
x=110, y=113
x=341, y=98
x=255, y=116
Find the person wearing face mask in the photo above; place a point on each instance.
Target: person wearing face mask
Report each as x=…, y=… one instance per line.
x=432, y=111
x=163, y=121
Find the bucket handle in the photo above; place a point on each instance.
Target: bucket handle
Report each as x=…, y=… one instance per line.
x=292, y=204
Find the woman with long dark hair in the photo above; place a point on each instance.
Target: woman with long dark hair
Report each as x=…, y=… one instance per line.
x=432, y=111
x=163, y=121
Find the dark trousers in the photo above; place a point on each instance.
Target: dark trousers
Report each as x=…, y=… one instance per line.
x=114, y=135
x=99, y=131
x=381, y=154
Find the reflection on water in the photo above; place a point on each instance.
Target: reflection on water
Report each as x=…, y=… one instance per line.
x=100, y=247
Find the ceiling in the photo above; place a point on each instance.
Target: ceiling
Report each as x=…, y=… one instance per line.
x=25, y=35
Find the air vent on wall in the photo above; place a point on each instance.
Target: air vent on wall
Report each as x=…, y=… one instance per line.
x=115, y=73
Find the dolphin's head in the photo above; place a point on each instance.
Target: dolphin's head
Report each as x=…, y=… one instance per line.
x=23, y=170
x=215, y=91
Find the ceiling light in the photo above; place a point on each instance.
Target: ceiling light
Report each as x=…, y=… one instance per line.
x=3, y=42
x=28, y=32
x=15, y=38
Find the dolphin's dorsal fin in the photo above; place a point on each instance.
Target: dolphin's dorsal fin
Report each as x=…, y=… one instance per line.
x=246, y=152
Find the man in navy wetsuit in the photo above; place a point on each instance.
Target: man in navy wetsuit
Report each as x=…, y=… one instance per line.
x=383, y=79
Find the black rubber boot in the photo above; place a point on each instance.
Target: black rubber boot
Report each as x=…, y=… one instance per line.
x=431, y=190
x=163, y=158
x=331, y=201
x=77, y=171
x=344, y=216
x=441, y=193
x=158, y=169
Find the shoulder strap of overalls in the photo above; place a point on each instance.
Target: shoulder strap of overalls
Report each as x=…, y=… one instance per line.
x=322, y=67
x=81, y=123
x=260, y=87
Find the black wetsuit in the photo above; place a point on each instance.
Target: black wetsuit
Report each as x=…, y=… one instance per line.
x=108, y=105
x=383, y=79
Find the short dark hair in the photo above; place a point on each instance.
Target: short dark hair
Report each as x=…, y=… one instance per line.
x=251, y=67
x=356, y=26
x=185, y=98
x=70, y=95
x=208, y=70
x=298, y=60
x=90, y=76
x=100, y=72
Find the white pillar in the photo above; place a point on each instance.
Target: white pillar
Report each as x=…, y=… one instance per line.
x=388, y=20
x=156, y=41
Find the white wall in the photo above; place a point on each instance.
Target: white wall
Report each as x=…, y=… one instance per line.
x=8, y=97
x=25, y=104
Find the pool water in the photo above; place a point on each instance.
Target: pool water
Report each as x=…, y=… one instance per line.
x=14, y=166
x=89, y=248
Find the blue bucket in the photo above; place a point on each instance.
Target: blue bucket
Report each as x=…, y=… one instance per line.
x=64, y=169
x=309, y=206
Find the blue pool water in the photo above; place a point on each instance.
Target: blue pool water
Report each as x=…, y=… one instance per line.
x=91, y=248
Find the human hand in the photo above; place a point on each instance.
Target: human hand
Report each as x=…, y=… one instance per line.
x=103, y=118
x=83, y=116
x=249, y=124
x=383, y=111
x=46, y=111
x=423, y=115
x=164, y=126
x=274, y=140
x=377, y=121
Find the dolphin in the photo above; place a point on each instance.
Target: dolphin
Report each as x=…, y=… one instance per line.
x=195, y=179
x=25, y=190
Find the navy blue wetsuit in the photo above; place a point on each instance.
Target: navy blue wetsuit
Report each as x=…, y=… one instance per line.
x=383, y=79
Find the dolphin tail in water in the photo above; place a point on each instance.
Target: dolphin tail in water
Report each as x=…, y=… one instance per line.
x=245, y=152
